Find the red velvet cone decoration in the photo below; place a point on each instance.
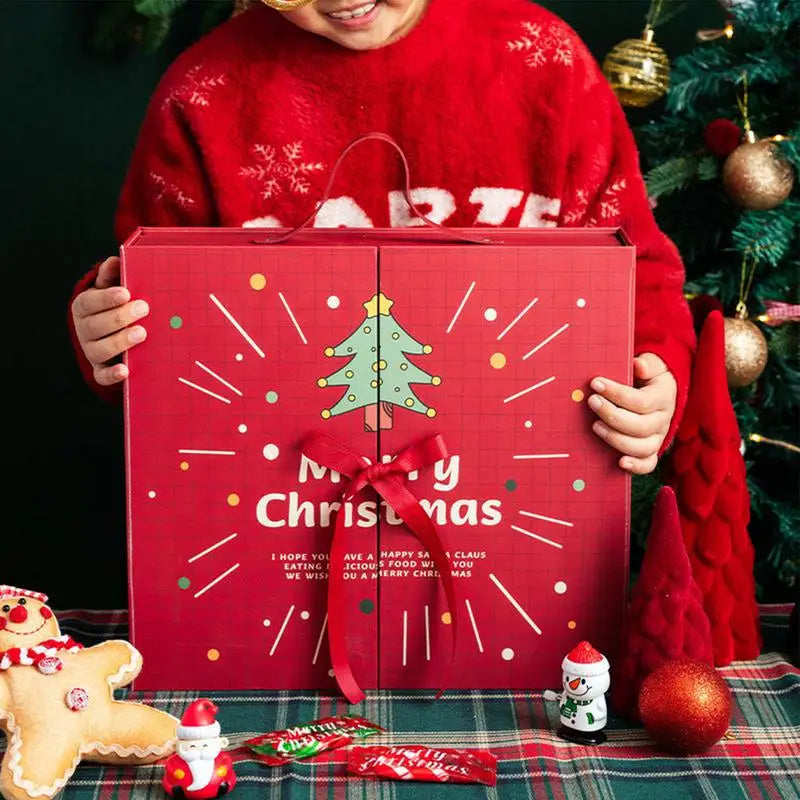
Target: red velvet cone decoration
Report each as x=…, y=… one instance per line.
x=707, y=471
x=665, y=620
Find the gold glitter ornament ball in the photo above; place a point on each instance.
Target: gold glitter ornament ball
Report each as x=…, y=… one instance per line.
x=685, y=706
x=745, y=351
x=638, y=71
x=755, y=176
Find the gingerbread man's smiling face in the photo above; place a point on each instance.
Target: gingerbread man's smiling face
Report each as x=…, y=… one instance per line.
x=25, y=620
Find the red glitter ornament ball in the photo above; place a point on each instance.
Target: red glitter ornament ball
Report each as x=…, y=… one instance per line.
x=722, y=136
x=685, y=706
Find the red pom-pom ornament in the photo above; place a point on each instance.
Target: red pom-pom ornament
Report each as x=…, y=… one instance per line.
x=722, y=137
x=685, y=706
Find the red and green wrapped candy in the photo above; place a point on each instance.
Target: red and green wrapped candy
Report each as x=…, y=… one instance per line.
x=415, y=763
x=304, y=741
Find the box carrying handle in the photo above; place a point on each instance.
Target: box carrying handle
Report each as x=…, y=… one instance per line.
x=382, y=137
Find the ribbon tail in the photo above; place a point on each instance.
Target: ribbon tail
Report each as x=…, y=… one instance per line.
x=411, y=512
x=337, y=615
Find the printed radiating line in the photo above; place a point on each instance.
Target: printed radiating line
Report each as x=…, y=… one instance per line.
x=530, y=389
x=245, y=335
x=537, y=537
x=517, y=318
x=217, y=580
x=220, y=379
x=207, y=452
x=213, y=547
x=319, y=641
x=405, y=636
x=461, y=307
x=292, y=317
x=545, y=341
x=547, y=519
x=427, y=635
x=205, y=391
x=514, y=603
x=474, y=626
x=530, y=456
x=280, y=632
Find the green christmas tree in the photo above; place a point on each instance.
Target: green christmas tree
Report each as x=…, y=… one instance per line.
x=378, y=379
x=721, y=164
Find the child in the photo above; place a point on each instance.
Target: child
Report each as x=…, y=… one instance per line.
x=505, y=118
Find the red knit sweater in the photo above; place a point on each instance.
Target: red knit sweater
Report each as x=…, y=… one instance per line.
x=503, y=113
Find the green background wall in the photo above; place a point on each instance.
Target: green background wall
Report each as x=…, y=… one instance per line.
x=69, y=121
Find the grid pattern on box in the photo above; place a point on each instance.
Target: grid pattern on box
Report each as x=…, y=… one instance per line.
x=555, y=564
x=223, y=510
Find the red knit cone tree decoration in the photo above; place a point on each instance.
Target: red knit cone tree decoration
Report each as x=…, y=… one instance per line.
x=665, y=618
x=707, y=471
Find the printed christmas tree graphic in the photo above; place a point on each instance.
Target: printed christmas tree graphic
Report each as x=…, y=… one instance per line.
x=379, y=374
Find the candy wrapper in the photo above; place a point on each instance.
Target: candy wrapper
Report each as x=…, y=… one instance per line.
x=414, y=763
x=303, y=741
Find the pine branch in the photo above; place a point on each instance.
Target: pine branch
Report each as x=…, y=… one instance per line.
x=662, y=11
x=699, y=75
x=671, y=176
x=157, y=8
x=768, y=234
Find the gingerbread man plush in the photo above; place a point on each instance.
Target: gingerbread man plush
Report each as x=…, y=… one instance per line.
x=57, y=703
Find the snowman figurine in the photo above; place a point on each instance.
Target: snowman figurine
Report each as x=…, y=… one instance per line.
x=582, y=705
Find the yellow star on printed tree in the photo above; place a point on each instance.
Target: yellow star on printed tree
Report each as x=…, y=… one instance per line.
x=379, y=304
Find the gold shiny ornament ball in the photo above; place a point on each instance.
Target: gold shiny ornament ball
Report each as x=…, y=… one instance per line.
x=685, y=706
x=745, y=351
x=638, y=71
x=756, y=177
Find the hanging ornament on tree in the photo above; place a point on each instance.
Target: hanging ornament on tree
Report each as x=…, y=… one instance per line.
x=745, y=351
x=755, y=174
x=638, y=69
x=745, y=345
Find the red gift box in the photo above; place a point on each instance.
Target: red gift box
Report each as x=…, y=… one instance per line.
x=478, y=354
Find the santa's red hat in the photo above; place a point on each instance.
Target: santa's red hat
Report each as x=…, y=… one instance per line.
x=13, y=591
x=584, y=661
x=199, y=721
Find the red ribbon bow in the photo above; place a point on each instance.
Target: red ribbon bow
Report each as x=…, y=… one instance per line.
x=389, y=481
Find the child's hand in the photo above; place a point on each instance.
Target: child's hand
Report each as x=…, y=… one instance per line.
x=635, y=420
x=103, y=318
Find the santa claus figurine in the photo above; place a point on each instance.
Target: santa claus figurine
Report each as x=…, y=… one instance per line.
x=582, y=705
x=199, y=768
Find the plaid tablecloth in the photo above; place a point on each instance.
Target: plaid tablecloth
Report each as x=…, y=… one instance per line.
x=759, y=758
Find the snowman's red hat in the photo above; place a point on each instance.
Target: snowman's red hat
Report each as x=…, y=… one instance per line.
x=199, y=721
x=584, y=661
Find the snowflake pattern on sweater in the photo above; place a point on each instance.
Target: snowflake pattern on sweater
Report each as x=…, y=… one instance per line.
x=195, y=89
x=542, y=44
x=166, y=191
x=276, y=173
